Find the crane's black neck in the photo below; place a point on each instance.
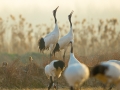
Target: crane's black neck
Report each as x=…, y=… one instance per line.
x=54, y=14
x=69, y=17
x=71, y=47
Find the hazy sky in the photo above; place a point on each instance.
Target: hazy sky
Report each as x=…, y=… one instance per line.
x=40, y=11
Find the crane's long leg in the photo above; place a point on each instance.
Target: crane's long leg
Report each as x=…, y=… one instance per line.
x=51, y=83
x=57, y=84
x=65, y=52
x=50, y=57
x=64, y=55
x=71, y=88
x=54, y=86
x=111, y=86
x=106, y=86
x=51, y=52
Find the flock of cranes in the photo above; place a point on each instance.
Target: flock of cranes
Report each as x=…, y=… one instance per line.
x=76, y=72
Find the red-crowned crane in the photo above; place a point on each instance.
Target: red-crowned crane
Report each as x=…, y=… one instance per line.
x=76, y=73
x=54, y=69
x=115, y=61
x=107, y=72
x=50, y=40
x=65, y=40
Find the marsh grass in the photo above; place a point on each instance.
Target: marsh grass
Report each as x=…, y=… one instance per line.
x=29, y=74
x=89, y=39
x=92, y=45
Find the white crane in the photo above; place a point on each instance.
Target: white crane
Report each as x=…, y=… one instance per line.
x=54, y=69
x=76, y=73
x=115, y=61
x=65, y=40
x=50, y=40
x=107, y=73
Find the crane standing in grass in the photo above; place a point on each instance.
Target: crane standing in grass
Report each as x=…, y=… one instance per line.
x=115, y=61
x=76, y=73
x=107, y=72
x=50, y=40
x=54, y=69
x=65, y=40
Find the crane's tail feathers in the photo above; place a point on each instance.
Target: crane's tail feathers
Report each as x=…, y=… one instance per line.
x=57, y=7
x=41, y=44
x=56, y=49
x=99, y=69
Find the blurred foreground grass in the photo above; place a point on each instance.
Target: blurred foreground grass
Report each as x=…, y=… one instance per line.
x=90, y=88
x=22, y=73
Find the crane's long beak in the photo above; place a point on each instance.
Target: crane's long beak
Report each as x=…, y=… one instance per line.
x=56, y=8
x=69, y=16
x=71, y=13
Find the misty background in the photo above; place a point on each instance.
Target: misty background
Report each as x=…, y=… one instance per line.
x=25, y=21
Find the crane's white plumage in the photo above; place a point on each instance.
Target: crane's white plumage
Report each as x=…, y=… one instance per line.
x=112, y=69
x=72, y=60
x=107, y=72
x=54, y=69
x=50, y=69
x=50, y=40
x=76, y=73
x=64, y=41
x=116, y=61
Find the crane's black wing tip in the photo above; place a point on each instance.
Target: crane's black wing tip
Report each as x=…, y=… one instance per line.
x=41, y=44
